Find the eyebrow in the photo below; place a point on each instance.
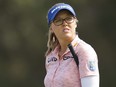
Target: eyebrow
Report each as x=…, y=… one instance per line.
x=63, y=18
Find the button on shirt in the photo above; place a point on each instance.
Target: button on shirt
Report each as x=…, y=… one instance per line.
x=63, y=72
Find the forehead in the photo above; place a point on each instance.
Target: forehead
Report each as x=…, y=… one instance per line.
x=63, y=13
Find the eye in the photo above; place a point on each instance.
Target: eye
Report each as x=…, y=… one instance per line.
x=57, y=20
x=69, y=19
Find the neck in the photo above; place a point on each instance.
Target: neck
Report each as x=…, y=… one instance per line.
x=63, y=44
x=65, y=41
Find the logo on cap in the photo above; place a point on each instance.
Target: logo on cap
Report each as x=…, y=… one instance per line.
x=60, y=7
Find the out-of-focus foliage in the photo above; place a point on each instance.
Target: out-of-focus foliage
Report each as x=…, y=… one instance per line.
x=23, y=38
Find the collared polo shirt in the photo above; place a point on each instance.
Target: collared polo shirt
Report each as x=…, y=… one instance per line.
x=63, y=72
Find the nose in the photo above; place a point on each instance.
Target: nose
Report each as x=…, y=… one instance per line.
x=64, y=22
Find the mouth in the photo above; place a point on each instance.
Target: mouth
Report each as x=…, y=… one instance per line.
x=66, y=30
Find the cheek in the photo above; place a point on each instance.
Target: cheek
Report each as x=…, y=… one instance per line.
x=74, y=26
x=54, y=30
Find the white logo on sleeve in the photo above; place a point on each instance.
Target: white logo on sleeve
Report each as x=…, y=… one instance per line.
x=92, y=65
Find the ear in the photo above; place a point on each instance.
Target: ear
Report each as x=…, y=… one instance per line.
x=76, y=22
x=51, y=30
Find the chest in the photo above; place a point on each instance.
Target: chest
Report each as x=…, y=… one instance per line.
x=64, y=71
x=61, y=67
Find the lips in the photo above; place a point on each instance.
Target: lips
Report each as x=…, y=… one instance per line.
x=66, y=30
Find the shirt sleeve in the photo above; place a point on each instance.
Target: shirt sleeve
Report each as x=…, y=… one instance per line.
x=88, y=61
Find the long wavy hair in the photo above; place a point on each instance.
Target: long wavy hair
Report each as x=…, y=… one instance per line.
x=52, y=42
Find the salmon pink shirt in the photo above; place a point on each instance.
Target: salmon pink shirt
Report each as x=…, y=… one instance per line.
x=63, y=72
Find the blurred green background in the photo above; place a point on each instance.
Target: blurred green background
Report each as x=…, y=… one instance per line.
x=23, y=37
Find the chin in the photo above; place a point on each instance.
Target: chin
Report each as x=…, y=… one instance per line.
x=68, y=36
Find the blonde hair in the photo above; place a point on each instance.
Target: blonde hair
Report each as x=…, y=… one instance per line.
x=52, y=42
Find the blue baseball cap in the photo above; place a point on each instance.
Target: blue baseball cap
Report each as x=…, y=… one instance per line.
x=56, y=8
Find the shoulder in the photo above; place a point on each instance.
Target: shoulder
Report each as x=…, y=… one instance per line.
x=85, y=46
x=86, y=50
